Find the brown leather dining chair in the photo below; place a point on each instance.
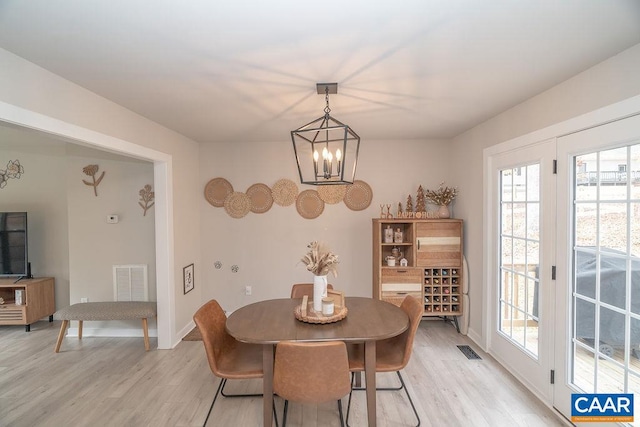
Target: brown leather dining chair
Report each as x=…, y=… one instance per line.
x=393, y=354
x=301, y=289
x=229, y=359
x=311, y=372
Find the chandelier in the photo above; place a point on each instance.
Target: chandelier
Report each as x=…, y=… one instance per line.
x=326, y=150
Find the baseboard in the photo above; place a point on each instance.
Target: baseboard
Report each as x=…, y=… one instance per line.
x=184, y=331
x=476, y=338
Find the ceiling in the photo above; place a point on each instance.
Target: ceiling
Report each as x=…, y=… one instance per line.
x=245, y=71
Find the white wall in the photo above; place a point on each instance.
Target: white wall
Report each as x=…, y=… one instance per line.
x=267, y=247
x=611, y=81
x=94, y=245
x=25, y=86
x=68, y=235
x=41, y=192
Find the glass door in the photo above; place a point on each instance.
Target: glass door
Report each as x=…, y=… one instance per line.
x=598, y=350
x=522, y=318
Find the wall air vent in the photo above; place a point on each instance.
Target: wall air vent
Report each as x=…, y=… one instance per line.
x=130, y=282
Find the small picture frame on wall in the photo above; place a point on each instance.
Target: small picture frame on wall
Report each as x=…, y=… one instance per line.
x=187, y=278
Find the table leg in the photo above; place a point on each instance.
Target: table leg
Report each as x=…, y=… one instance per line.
x=79, y=329
x=370, y=378
x=267, y=384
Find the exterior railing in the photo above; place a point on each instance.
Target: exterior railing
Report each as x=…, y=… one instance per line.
x=607, y=178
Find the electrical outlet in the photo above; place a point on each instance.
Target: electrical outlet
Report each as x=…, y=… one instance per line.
x=84, y=299
x=247, y=290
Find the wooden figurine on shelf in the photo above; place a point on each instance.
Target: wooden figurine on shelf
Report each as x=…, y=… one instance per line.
x=409, y=206
x=420, y=203
x=399, y=210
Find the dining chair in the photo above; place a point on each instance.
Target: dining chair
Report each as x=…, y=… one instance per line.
x=301, y=289
x=229, y=359
x=392, y=354
x=311, y=372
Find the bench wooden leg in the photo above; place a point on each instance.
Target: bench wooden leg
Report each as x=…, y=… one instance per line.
x=79, y=329
x=63, y=328
x=145, y=330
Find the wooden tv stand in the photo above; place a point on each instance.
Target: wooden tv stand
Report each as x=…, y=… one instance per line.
x=38, y=301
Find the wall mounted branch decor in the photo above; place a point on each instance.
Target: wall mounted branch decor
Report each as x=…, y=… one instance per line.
x=146, y=196
x=92, y=170
x=14, y=171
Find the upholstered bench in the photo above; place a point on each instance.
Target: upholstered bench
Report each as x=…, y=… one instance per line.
x=109, y=310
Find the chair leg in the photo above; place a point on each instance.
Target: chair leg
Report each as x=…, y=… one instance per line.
x=402, y=386
x=220, y=389
x=340, y=413
x=409, y=397
x=284, y=415
x=222, y=381
x=349, y=401
x=275, y=416
x=237, y=395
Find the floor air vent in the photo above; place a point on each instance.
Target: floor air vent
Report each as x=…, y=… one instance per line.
x=468, y=351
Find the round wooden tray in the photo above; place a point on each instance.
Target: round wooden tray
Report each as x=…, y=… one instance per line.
x=315, y=317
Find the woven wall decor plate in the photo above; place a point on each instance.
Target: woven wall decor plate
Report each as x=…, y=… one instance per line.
x=359, y=196
x=332, y=194
x=260, y=197
x=217, y=190
x=284, y=192
x=309, y=204
x=237, y=204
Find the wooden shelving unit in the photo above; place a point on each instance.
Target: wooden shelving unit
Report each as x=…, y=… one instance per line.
x=433, y=274
x=38, y=301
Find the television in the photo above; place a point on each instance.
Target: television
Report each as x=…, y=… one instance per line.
x=14, y=259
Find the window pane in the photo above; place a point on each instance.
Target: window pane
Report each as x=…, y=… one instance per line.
x=506, y=182
x=532, y=297
x=520, y=184
x=507, y=252
x=613, y=182
x=519, y=250
x=533, y=183
x=519, y=220
x=585, y=322
x=634, y=222
x=584, y=369
x=533, y=221
x=635, y=350
x=611, y=330
x=635, y=287
x=585, y=220
x=533, y=256
x=585, y=279
x=610, y=377
x=613, y=281
x=531, y=342
x=613, y=226
x=586, y=176
x=507, y=220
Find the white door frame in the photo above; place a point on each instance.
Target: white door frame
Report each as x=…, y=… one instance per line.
x=163, y=187
x=603, y=115
x=616, y=134
x=532, y=371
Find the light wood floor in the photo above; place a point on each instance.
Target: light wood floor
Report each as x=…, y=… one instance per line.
x=114, y=382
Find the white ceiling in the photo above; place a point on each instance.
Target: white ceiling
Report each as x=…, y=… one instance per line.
x=240, y=70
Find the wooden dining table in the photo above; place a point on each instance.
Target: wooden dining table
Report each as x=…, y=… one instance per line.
x=269, y=322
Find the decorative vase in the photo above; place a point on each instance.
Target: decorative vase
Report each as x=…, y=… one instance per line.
x=319, y=291
x=443, y=211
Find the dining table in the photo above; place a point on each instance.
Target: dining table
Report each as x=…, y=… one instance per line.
x=268, y=322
